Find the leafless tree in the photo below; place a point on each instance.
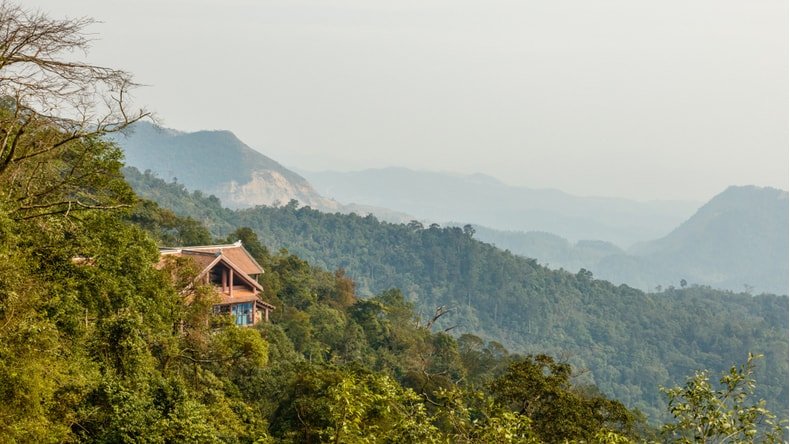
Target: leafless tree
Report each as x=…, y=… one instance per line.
x=440, y=311
x=54, y=109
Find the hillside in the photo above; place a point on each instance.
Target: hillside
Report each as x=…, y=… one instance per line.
x=239, y=175
x=737, y=241
x=218, y=163
x=103, y=339
x=483, y=200
x=549, y=249
x=631, y=341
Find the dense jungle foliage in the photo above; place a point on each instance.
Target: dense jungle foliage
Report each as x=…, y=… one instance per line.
x=97, y=344
x=632, y=342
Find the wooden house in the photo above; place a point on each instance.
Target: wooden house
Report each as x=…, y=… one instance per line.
x=233, y=272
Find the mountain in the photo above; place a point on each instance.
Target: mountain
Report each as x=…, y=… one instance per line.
x=483, y=200
x=631, y=341
x=737, y=241
x=219, y=164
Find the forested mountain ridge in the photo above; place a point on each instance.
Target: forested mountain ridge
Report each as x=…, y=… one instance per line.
x=631, y=341
x=549, y=249
x=103, y=342
x=737, y=241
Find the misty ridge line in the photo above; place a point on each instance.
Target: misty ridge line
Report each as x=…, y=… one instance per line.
x=485, y=178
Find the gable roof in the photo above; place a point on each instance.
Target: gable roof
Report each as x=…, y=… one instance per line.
x=235, y=256
x=234, y=252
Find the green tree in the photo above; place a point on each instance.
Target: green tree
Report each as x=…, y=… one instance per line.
x=251, y=242
x=540, y=388
x=704, y=415
x=325, y=403
x=470, y=416
x=167, y=228
x=374, y=408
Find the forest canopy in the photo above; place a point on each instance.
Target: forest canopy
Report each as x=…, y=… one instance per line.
x=630, y=341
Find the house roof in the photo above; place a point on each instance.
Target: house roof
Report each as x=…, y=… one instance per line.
x=235, y=253
x=235, y=257
x=203, y=261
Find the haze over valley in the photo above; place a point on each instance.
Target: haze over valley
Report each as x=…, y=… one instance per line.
x=484, y=200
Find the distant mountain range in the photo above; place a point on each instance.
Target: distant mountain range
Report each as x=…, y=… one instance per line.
x=737, y=241
x=218, y=163
x=483, y=200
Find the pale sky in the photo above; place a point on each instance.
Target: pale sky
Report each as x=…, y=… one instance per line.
x=670, y=99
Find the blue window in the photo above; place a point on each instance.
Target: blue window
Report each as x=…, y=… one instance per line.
x=242, y=313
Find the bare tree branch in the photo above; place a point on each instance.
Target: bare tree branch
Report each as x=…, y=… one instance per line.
x=440, y=311
x=54, y=108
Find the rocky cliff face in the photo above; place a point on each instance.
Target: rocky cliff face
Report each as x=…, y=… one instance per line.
x=267, y=187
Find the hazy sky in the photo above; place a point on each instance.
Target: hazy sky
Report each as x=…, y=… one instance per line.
x=643, y=99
